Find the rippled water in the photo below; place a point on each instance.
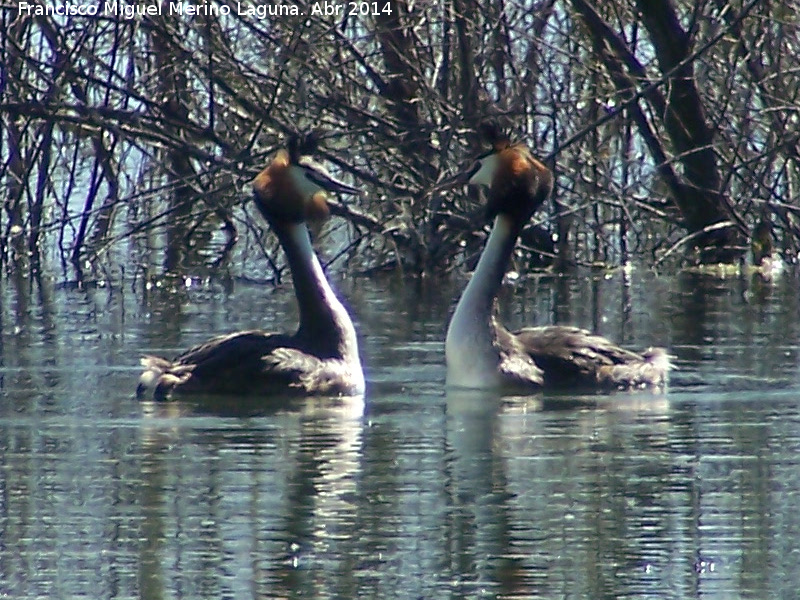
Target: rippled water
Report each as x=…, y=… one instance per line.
x=411, y=493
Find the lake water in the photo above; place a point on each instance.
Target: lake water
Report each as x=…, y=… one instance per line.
x=410, y=492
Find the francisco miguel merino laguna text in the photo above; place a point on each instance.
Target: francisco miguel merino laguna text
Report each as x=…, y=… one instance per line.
x=130, y=11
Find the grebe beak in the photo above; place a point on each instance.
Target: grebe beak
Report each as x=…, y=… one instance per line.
x=311, y=174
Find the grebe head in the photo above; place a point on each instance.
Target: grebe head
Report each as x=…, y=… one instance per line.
x=518, y=183
x=292, y=188
x=302, y=144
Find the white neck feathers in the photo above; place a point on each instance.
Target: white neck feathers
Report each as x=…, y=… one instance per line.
x=471, y=357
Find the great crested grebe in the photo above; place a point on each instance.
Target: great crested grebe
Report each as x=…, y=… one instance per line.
x=321, y=358
x=483, y=354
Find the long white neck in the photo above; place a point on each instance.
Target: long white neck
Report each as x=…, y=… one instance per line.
x=325, y=324
x=471, y=357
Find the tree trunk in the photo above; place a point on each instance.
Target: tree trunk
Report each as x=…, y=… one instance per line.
x=173, y=95
x=703, y=202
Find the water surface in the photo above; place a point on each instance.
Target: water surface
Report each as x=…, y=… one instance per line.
x=409, y=492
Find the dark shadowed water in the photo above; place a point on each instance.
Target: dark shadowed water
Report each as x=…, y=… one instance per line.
x=410, y=492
